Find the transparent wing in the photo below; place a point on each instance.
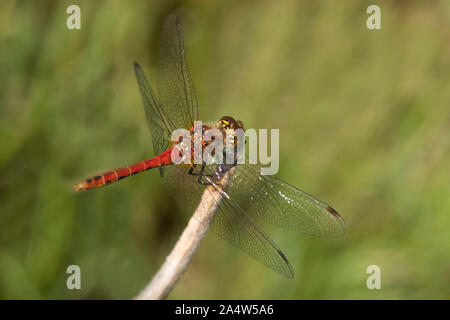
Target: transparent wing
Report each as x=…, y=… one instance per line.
x=231, y=222
x=177, y=105
x=279, y=203
x=234, y=225
x=175, y=87
x=160, y=127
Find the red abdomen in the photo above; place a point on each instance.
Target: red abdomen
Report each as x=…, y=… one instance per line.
x=108, y=177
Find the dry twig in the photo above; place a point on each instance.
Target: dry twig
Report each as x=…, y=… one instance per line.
x=180, y=257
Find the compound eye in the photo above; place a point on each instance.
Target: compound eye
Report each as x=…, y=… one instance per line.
x=224, y=123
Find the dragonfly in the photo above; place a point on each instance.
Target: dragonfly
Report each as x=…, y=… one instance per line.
x=247, y=196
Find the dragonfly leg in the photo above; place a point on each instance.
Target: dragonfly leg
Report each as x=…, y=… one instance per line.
x=200, y=174
x=191, y=171
x=218, y=172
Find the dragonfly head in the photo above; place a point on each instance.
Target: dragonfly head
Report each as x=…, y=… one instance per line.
x=227, y=122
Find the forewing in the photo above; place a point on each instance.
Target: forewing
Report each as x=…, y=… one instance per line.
x=175, y=87
x=160, y=128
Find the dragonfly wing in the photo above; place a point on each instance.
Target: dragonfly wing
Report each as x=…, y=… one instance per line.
x=234, y=225
x=160, y=127
x=231, y=222
x=279, y=203
x=175, y=87
x=177, y=105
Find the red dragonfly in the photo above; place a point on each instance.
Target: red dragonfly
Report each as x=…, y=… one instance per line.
x=247, y=195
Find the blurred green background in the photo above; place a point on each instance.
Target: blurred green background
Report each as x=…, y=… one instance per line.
x=364, y=119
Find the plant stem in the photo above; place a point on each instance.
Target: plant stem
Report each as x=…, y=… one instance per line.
x=183, y=252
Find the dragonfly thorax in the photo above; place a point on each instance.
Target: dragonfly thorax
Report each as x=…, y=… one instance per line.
x=224, y=136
